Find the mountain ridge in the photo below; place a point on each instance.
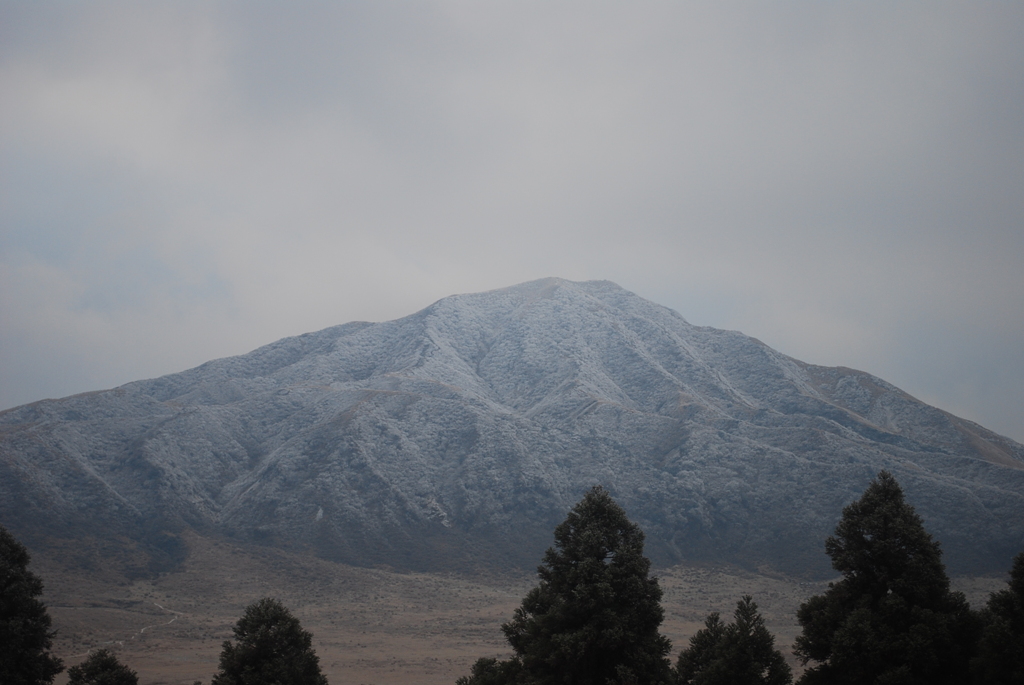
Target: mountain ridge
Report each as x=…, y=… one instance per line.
x=460, y=434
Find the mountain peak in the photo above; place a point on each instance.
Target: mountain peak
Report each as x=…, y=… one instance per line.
x=461, y=433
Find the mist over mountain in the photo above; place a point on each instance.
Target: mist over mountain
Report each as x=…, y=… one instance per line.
x=458, y=437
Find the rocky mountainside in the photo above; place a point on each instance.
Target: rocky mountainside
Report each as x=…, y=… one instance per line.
x=460, y=435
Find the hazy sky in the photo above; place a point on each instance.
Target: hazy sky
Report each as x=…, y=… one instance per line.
x=184, y=181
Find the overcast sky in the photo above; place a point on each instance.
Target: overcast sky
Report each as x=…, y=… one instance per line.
x=185, y=181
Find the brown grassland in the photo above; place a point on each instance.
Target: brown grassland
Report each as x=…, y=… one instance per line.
x=369, y=625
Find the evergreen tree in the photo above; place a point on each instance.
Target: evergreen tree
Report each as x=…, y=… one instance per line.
x=272, y=649
x=25, y=636
x=593, y=618
x=102, y=668
x=702, y=655
x=492, y=672
x=741, y=653
x=1000, y=659
x=892, y=617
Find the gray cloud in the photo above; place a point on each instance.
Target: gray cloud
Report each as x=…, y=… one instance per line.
x=186, y=181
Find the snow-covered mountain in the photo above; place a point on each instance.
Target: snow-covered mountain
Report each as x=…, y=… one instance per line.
x=460, y=435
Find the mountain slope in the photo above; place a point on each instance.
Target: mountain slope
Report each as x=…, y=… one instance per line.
x=461, y=434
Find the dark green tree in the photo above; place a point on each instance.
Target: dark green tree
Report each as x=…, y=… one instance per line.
x=740, y=653
x=702, y=655
x=892, y=617
x=102, y=668
x=25, y=635
x=271, y=649
x=492, y=672
x=1000, y=659
x=594, y=617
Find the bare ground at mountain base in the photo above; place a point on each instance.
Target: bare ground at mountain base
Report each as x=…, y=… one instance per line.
x=370, y=626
